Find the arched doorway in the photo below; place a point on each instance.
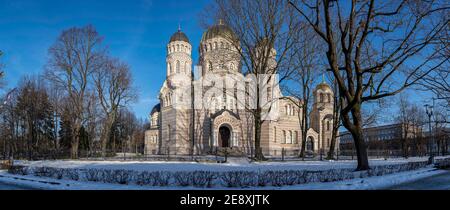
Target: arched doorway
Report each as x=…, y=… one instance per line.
x=224, y=136
x=310, y=144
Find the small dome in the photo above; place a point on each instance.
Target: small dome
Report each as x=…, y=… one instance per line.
x=156, y=109
x=219, y=30
x=179, y=36
x=323, y=86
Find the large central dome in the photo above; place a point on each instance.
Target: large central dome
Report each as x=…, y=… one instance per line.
x=219, y=30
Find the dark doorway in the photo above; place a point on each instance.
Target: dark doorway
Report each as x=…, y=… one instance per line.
x=310, y=144
x=224, y=137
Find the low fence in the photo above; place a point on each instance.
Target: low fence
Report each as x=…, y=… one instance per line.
x=209, y=179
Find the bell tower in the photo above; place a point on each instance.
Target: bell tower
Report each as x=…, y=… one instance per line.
x=179, y=59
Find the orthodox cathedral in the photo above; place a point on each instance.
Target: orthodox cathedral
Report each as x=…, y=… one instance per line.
x=180, y=126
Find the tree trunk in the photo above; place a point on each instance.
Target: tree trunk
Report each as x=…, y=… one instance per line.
x=106, y=134
x=75, y=141
x=355, y=128
x=337, y=104
x=330, y=155
x=304, y=128
x=259, y=156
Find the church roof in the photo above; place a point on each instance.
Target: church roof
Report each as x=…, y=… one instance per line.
x=323, y=86
x=219, y=30
x=179, y=36
x=156, y=109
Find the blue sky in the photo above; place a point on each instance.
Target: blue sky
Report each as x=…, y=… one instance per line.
x=135, y=31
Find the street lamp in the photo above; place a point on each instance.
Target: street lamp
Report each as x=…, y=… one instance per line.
x=429, y=111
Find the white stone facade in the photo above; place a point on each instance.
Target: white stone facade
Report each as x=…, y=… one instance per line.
x=181, y=128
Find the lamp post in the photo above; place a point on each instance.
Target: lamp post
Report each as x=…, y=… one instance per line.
x=429, y=111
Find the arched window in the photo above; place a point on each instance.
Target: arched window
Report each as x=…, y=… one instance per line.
x=269, y=92
x=178, y=66
x=221, y=45
x=329, y=98
x=169, y=132
x=328, y=125
x=274, y=134
x=321, y=98
x=286, y=110
x=284, y=137
x=210, y=46
x=289, y=140
x=295, y=137
x=206, y=48
x=178, y=47
x=170, y=68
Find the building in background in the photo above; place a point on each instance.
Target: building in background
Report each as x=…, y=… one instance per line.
x=395, y=139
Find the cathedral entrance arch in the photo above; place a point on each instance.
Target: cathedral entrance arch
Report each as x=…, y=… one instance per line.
x=225, y=129
x=224, y=136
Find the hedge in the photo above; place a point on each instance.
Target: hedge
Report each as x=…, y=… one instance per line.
x=208, y=179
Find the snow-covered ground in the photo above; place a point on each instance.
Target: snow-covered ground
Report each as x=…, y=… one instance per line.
x=235, y=164
x=370, y=183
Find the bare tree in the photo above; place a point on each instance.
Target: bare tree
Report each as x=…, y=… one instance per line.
x=404, y=120
x=438, y=81
x=378, y=41
x=73, y=57
x=306, y=66
x=113, y=83
x=337, y=103
x=34, y=111
x=266, y=32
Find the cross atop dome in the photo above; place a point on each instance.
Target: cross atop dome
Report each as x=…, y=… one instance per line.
x=221, y=22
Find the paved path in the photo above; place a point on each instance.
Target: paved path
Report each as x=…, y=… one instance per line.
x=438, y=182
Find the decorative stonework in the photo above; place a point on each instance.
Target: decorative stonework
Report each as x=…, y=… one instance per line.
x=226, y=118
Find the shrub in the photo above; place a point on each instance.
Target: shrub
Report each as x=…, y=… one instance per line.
x=43, y=172
x=108, y=176
x=239, y=178
x=145, y=178
x=162, y=178
x=263, y=178
x=18, y=170
x=72, y=174
x=203, y=178
x=122, y=176
x=58, y=173
x=184, y=178
x=94, y=175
